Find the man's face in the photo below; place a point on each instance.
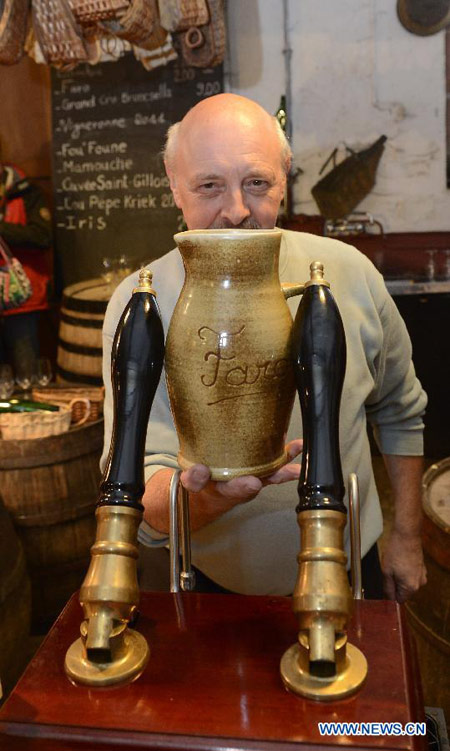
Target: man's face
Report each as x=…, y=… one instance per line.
x=228, y=175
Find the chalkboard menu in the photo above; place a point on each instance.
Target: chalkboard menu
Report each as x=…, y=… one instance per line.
x=112, y=196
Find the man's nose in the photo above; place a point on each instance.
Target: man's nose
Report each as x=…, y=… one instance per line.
x=234, y=208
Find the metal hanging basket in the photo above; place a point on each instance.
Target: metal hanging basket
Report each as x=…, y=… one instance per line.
x=345, y=186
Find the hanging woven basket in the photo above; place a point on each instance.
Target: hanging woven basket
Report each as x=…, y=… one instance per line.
x=57, y=33
x=88, y=12
x=137, y=24
x=204, y=46
x=180, y=15
x=13, y=29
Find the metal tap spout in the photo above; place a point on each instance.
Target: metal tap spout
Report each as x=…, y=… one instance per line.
x=110, y=593
x=322, y=599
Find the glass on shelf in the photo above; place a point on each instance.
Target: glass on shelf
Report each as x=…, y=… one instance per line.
x=447, y=264
x=430, y=266
x=123, y=267
x=6, y=381
x=107, y=270
x=114, y=270
x=25, y=375
x=44, y=372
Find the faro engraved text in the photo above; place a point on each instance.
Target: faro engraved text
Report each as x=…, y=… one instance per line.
x=235, y=373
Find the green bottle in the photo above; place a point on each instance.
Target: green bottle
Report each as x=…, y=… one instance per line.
x=19, y=405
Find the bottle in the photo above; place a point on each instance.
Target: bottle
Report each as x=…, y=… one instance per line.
x=24, y=405
x=281, y=114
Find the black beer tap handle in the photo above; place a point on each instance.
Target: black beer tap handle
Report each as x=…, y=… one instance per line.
x=136, y=364
x=319, y=352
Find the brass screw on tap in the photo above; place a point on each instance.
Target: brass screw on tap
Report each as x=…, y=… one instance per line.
x=316, y=274
x=145, y=282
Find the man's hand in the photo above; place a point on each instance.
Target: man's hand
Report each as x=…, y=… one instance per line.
x=403, y=567
x=209, y=499
x=245, y=488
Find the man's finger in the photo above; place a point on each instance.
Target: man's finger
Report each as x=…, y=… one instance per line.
x=404, y=592
x=284, y=474
x=195, y=478
x=389, y=586
x=245, y=487
x=294, y=448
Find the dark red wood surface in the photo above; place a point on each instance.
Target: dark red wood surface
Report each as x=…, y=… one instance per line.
x=212, y=682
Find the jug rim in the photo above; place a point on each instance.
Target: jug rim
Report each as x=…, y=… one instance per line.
x=233, y=233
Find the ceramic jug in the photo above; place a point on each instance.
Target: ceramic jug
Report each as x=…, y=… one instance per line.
x=228, y=367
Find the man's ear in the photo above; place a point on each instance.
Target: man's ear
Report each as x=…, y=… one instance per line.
x=173, y=184
x=288, y=165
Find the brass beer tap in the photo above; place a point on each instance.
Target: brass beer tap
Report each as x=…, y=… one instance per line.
x=108, y=651
x=322, y=665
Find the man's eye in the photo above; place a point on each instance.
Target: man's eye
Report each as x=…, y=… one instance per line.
x=208, y=187
x=257, y=184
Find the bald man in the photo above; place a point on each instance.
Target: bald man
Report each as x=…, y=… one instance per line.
x=227, y=162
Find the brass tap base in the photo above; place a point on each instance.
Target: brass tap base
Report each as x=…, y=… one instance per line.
x=129, y=662
x=346, y=682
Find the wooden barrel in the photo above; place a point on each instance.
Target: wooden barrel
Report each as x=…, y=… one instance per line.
x=79, y=358
x=15, y=604
x=50, y=487
x=429, y=610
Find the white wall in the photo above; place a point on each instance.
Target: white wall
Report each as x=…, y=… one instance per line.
x=356, y=74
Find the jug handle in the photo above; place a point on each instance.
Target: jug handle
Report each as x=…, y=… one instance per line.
x=290, y=289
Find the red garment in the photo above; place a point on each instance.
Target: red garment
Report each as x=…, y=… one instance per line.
x=24, y=205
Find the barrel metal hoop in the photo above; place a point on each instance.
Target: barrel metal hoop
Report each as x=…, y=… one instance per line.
x=79, y=349
x=81, y=441
x=427, y=632
x=84, y=306
x=84, y=323
x=72, y=300
x=58, y=516
x=71, y=377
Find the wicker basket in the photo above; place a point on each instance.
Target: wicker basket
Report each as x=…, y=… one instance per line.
x=136, y=25
x=179, y=15
x=17, y=426
x=13, y=28
x=204, y=46
x=88, y=12
x=57, y=33
x=86, y=402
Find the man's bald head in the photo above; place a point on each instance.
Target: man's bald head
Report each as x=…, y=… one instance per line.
x=225, y=111
x=227, y=162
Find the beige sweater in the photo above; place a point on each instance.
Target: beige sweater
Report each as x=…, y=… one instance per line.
x=252, y=549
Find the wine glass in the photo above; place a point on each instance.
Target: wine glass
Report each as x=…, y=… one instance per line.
x=6, y=381
x=107, y=270
x=430, y=267
x=25, y=375
x=447, y=264
x=123, y=267
x=43, y=371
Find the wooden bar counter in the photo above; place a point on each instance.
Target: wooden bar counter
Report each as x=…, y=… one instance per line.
x=212, y=683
